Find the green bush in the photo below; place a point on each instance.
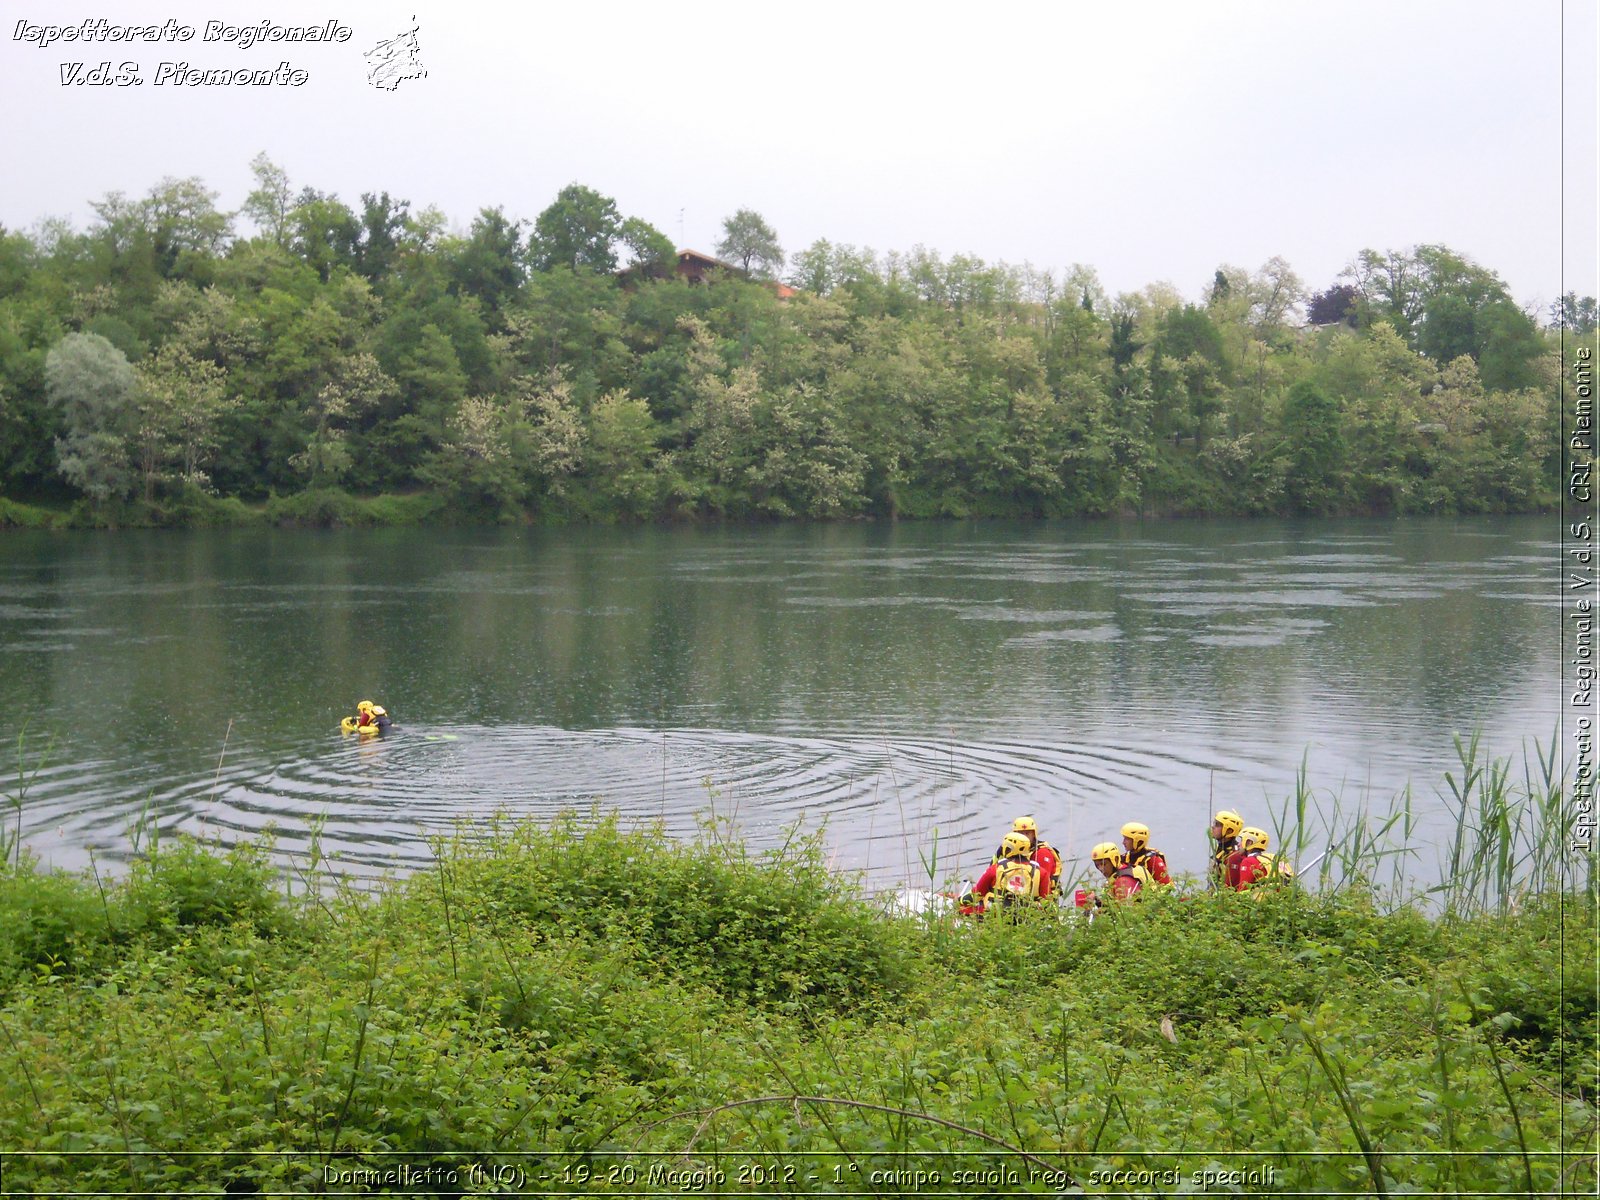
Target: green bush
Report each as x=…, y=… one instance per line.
x=332, y=507
x=558, y=995
x=321, y=507
x=50, y=920
x=1537, y=977
x=196, y=508
x=775, y=929
x=24, y=516
x=184, y=884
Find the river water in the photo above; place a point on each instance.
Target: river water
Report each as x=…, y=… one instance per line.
x=903, y=689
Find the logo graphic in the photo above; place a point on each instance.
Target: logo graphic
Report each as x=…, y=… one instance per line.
x=396, y=59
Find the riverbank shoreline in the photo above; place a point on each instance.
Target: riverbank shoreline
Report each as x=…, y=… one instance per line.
x=337, y=509
x=598, y=1009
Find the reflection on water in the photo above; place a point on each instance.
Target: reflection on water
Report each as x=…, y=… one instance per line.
x=876, y=682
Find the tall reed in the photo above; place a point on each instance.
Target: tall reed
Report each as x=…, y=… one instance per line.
x=1509, y=838
x=11, y=839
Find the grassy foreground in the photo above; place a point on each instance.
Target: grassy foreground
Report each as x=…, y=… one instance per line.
x=586, y=1010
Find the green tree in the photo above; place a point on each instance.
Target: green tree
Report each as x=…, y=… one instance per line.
x=649, y=250
x=488, y=264
x=176, y=223
x=358, y=387
x=749, y=241
x=1574, y=313
x=812, y=269
x=1377, y=383
x=1445, y=305
x=177, y=404
x=1189, y=330
x=324, y=232
x=270, y=201
x=1508, y=347
x=478, y=459
x=579, y=230
x=402, y=433
x=29, y=423
x=619, y=457
x=1315, y=448
x=1274, y=292
x=383, y=232
x=90, y=382
x=573, y=321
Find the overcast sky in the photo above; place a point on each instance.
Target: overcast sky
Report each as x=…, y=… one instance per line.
x=1151, y=139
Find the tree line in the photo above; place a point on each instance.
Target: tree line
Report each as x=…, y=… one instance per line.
x=161, y=361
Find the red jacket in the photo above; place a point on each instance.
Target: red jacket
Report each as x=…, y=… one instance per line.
x=1256, y=867
x=1049, y=866
x=1230, y=869
x=1125, y=883
x=1153, y=861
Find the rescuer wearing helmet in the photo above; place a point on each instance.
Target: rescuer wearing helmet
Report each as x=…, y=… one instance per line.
x=1255, y=864
x=1112, y=862
x=372, y=716
x=1014, y=879
x=1042, y=852
x=1225, y=827
x=1141, y=856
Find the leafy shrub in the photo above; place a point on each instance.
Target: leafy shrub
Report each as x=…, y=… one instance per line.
x=776, y=929
x=1536, y=976
x=330, y=507
x=318, y=507
x=414, y=509
x=185, y=884
x=195, y=508
x=560, y=992
x=48, y=919
x=24, y=516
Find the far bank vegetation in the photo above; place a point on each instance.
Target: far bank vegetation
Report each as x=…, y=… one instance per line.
x=348, y=363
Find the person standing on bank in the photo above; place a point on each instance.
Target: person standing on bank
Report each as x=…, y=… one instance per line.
x=1141, y=855
x=1041, y=852
x=1226, y=826
x=1014, y=880
x=1123, y=881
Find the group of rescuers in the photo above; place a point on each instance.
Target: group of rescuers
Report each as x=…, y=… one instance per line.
x=1026, y=868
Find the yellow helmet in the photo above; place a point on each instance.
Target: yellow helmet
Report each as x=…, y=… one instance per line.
x=1013, y=844
x=1230, y=821
x=364, y=706
x=1025, y=825
x=1108, y=852
x=1252, y=839
x=1138, y=833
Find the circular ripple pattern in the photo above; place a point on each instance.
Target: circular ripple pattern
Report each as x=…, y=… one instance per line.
x=891, y=808
x=902, y=692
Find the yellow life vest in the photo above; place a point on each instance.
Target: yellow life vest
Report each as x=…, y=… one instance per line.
x=1016, y=881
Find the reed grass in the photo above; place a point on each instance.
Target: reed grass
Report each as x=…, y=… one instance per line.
x=1510, y=837
x=11, y=839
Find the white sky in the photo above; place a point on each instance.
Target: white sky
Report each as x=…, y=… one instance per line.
x=1151, y=139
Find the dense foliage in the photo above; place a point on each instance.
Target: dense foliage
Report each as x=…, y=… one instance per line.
x=588, y=1005
x=158, y=366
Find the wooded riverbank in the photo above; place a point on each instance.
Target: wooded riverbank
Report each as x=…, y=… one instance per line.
x=159, y=369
